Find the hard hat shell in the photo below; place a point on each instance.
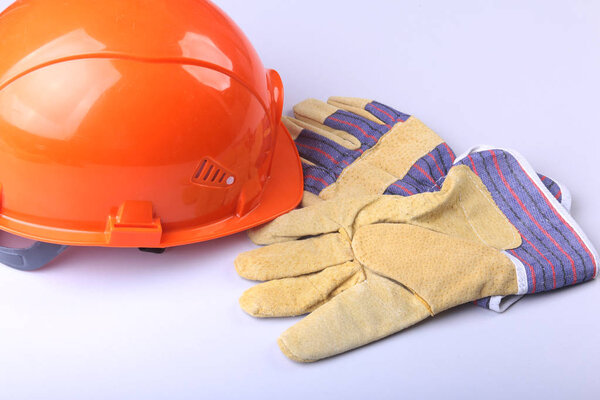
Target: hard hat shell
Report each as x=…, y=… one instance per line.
x=137, y=124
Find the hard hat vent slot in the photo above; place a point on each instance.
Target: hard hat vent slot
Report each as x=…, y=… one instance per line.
x=210, y=173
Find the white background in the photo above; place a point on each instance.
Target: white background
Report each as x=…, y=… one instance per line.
x=120, y=324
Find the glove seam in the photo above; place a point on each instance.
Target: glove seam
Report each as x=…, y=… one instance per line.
x=380, y=300
x=327, y=296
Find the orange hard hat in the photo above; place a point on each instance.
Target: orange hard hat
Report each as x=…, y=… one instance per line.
x=137, y=124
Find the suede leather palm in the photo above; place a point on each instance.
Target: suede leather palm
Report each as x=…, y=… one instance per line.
x=366, y=267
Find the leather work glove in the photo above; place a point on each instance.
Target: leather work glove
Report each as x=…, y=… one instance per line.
x=353, y=146
x=366, y=267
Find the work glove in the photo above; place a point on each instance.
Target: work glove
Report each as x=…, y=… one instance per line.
x=353, y=146
x=368, y=266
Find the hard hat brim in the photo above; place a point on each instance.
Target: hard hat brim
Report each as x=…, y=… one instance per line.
x=282, y=193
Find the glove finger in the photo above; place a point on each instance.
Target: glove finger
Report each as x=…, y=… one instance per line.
x=300, y=295
x=360, y=315
x=356, y=106
x=316, y=177
x=369, y=109
x=294, y=258
x=296, y=126
x=321, y=218
x=312, y=113
x=367, y=131
x=324, y=154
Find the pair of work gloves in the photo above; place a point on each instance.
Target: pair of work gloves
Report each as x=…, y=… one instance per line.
x=393, y=229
